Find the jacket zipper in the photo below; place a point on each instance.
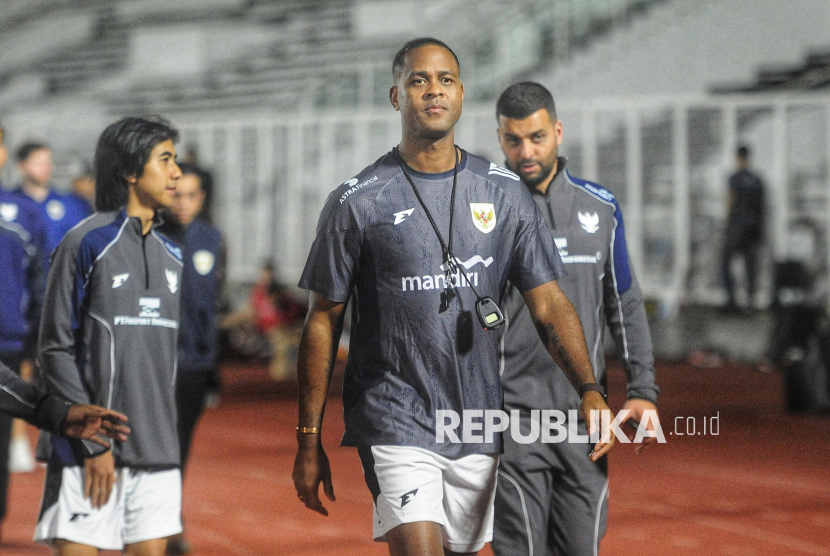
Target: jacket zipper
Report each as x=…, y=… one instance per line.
x=146, y=268
x=550, y=212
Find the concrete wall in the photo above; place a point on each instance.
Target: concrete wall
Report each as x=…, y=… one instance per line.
x=687, y=46
x=175, y=51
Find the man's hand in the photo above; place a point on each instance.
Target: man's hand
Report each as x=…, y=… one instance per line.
x=637, y=407
x=99, y=477
x=315, y=361
x=88, y=421
x=592, y=401
x=311, y=467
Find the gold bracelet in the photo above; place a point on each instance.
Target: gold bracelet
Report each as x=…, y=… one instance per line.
x=308, y=430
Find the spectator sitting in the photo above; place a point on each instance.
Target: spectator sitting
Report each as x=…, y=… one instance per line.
x=270, y=324
x=284, y=331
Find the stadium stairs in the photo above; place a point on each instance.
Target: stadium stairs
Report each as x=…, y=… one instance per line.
x=810, y=75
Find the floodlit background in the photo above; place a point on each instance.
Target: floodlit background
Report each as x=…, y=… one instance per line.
x=285, y=99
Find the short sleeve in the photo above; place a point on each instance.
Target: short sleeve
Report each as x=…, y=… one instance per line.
x=332, y=265
x=535, y=259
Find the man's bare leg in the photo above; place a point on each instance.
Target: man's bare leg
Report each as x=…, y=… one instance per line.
x=20, y=427
x=63, y=547
x=422, y=538
x=153, y=547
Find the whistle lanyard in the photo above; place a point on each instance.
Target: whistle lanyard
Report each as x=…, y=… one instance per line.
x=487, y=310
x=449, y=258
x=446, y=247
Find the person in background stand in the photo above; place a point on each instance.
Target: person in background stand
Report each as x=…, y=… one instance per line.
x=202, y=280
x=270, y=323
x=82, y=196
x=191, y=157
x=21, y=298
x=34, y=162
x=60, y=214
x=284, y=332
x=744, y=230
x=23, y=213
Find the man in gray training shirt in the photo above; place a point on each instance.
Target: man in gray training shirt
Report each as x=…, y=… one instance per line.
x=551, y=498
x=112, y=302
x=420, y=241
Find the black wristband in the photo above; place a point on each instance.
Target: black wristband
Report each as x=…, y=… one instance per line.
x=591, y=387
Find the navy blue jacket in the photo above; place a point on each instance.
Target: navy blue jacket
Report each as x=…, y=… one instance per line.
x=21, y=289
x=202, y=278
x=25, y=212
x=60, y=212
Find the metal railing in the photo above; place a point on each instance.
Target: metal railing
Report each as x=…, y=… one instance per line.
x=666, y=159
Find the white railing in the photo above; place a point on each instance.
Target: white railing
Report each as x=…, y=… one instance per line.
x=667, y=159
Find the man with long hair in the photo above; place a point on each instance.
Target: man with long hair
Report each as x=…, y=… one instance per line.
x=110, y=339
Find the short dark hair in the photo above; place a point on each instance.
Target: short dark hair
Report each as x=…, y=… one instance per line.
x=398, y=60
x=26, y=149
x=122, y=151
x=521, y=100
x=743, y=151
x=189, y=169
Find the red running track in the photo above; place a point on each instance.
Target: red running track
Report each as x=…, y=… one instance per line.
x=760, y=487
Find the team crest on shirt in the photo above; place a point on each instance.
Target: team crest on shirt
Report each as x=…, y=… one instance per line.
x=589, y=221
x=8, y=211
x=172, y=280
x=55, y=210
x=484, y=216
x=203, y=260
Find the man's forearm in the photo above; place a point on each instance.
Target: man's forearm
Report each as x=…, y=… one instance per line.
x=565, y=342
x=318, y=349
x=561, y=332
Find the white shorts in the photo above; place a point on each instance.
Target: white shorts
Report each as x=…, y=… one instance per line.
x=144, y=505
x=413, y=484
